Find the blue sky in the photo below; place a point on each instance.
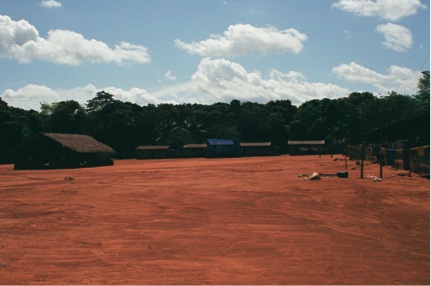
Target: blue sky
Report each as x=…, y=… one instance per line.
x=207, y=51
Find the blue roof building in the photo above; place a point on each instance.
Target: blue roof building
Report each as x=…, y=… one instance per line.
x=219, y=148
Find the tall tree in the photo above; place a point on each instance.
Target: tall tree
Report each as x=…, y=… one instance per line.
x=65, y=117
x=16, y=125
x=423, y=96
x=101, y=100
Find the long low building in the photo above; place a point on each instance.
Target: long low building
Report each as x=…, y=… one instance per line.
x=154, y=152
x=214, y=148
x=306, y=147
x=194, y=150
x=219, y=148
x=257, y=149
x=57, y=150
x=229, y=148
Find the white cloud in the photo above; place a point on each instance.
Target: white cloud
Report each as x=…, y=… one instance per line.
x=242, y=39
x=399, y=79
x=290, y=76
x=215, y=80
x=21, y=41
x=51, y=4
x=392, y=10
x=220, y=80
x=170, y=76
x=397, y=37
x=30, y=96
x=358, y=73
x=135, y=95
x=31, y=91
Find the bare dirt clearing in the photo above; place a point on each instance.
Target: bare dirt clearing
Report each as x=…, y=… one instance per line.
x=213, y=221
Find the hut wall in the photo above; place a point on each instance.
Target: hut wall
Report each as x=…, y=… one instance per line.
x=96, y=159
x=305, y=149
x=153, y=154
x=222, y=148
x=309, y=147
x=194, y=152
x=43, y=158
x=256, y=151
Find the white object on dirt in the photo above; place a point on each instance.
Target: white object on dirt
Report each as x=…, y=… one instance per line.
x=314, y=176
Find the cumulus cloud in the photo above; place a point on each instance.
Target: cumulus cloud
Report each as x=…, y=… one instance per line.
x=290, y=76
x=170, y=76
x=392, y=10
x=220, y=80
x=397, y=37
x=32, y=95
x=51, y=4
x=215, y=80
x=399, y=79
x=21, y=41
x=31, y=91
x=242, y=39
x=135, y=95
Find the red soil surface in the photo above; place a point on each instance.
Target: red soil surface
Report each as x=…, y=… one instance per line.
x=214, y=221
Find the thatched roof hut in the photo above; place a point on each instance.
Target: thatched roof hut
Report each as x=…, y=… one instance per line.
x=57, y=150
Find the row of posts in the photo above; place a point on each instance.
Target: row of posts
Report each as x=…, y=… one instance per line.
x=380, y=159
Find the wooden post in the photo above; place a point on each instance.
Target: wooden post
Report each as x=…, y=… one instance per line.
x=346, y=148
x=362, y=159
x=345, y=159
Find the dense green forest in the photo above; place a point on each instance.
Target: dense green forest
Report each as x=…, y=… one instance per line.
x=124, y=125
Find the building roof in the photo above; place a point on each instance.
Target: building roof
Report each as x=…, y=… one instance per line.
x=311, y=142
x=79, y=143
x=75, y=142
x=152, y=147
x=190, y=146
x=221, y=142
x=255, y=144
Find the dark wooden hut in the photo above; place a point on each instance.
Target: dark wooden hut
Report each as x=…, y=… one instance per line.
x=256, y=149
x=154, y=152
x=306, y=147
x=217, y=148
x=56, y=150
x=194, y=150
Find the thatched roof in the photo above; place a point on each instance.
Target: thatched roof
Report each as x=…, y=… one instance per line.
x=255, y=144
x=152, y=147
x=313, y=142
x=79, y=143
x=191, y=146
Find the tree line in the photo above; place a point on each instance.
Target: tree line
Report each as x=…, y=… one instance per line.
x=125, y=125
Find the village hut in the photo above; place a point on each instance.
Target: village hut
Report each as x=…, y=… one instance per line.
x=218, y=148
x=154, y=152
x=194, y=150
x=306, y=147
x=56, y=150
x=256, y=149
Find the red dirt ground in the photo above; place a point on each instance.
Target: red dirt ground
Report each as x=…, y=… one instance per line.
x=214, y=221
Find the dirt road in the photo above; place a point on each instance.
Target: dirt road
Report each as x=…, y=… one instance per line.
x=214, y=221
